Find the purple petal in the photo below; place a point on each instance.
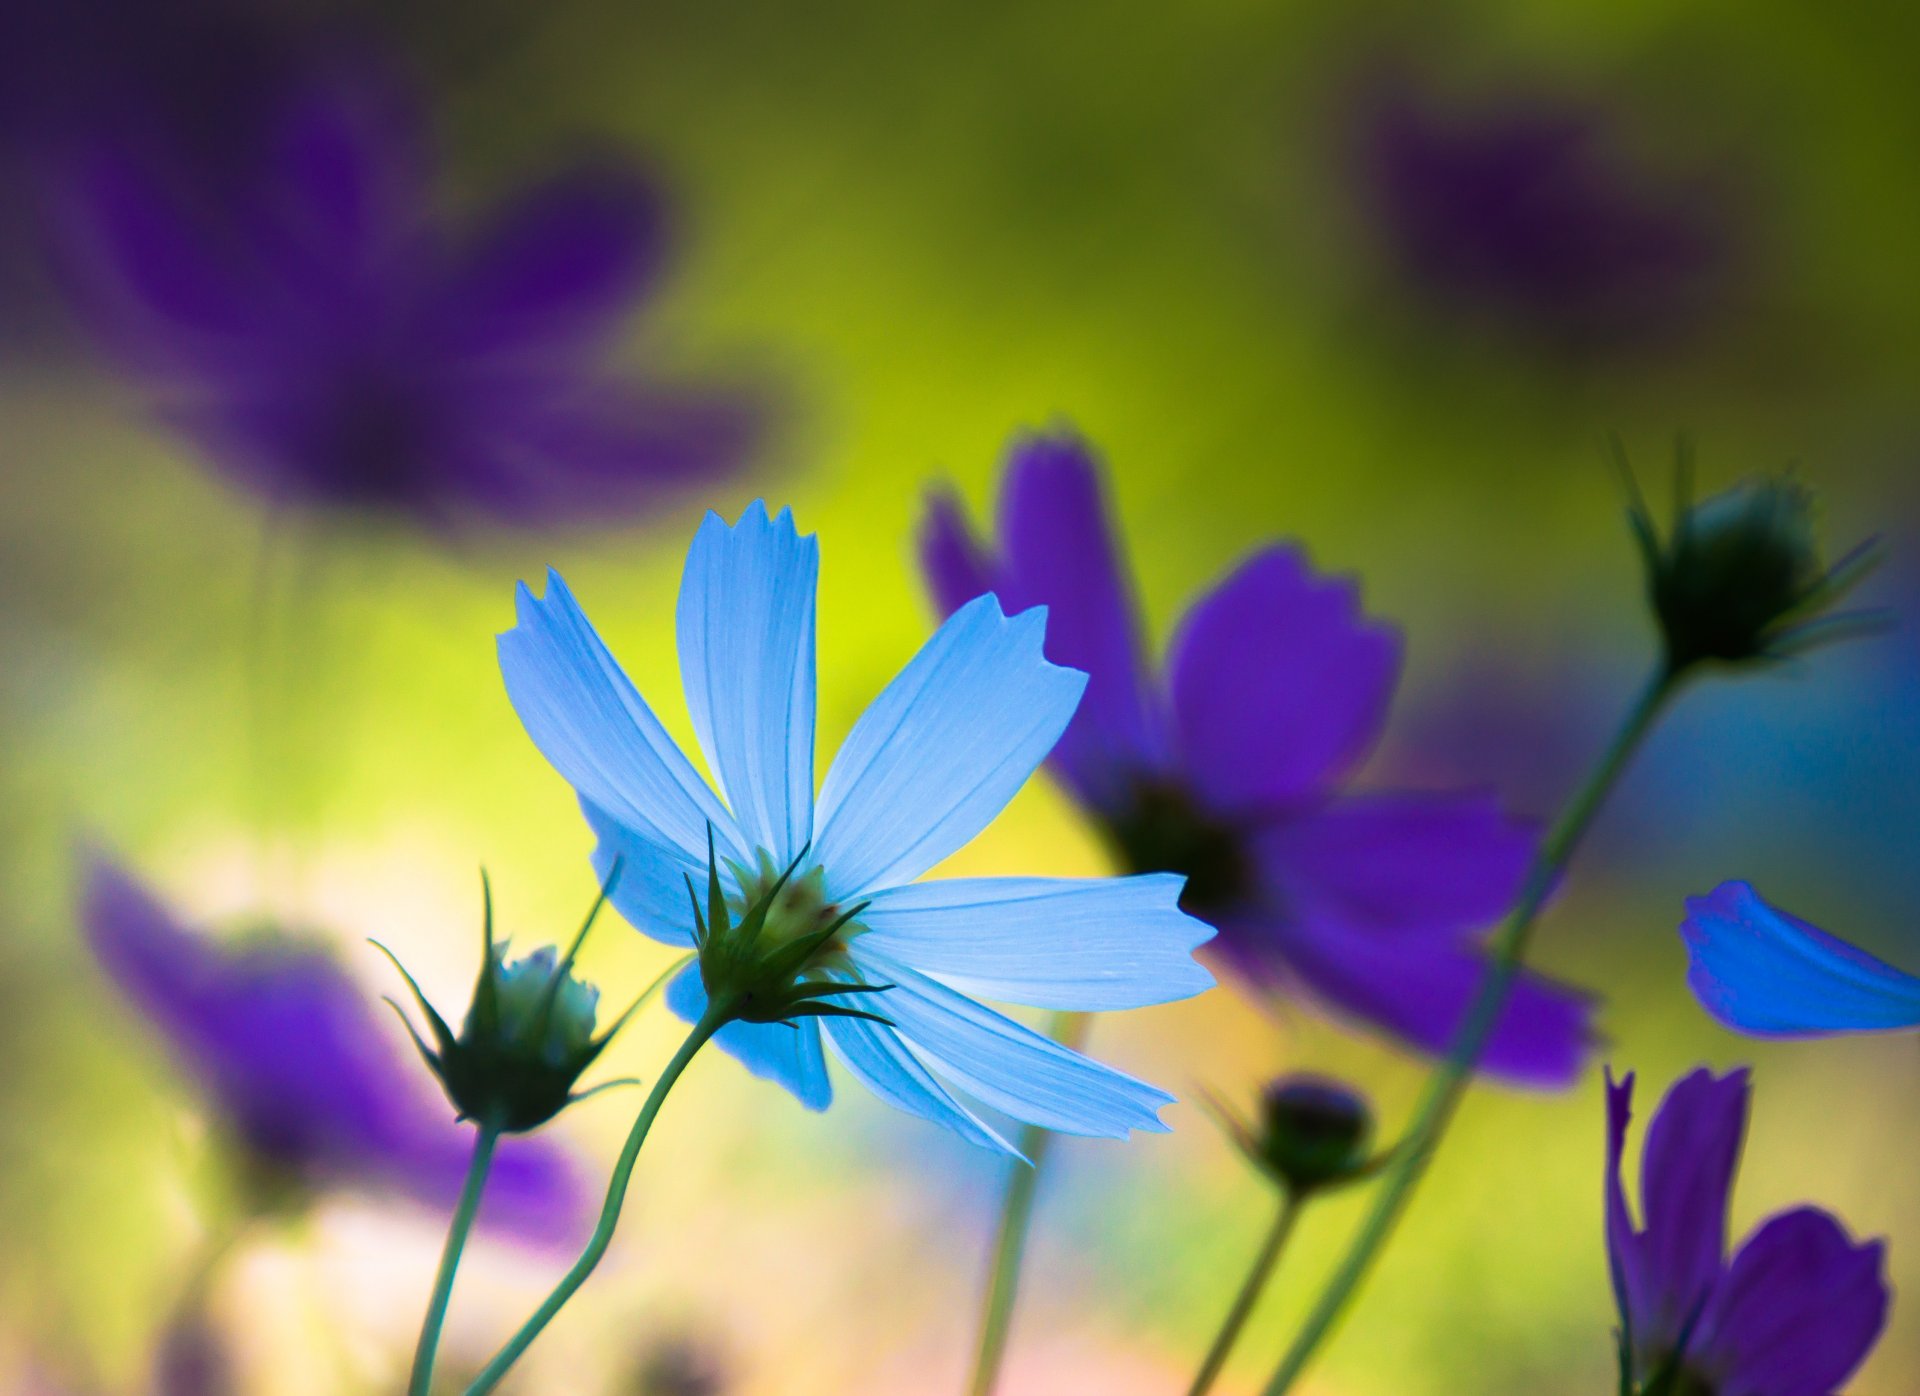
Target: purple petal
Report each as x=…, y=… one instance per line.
x=287, y=1050
x=1421, y=864
x=1059, y=552
x=1686, y=1178
x=557, y=268
x=1761, y=971
x=1799, y=1310
x=1418, y=992
x=1280, y=684
x=1623, y=1243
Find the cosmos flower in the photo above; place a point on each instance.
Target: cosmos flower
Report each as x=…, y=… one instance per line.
x=929, y=764
x=1761, y=971
x=1529, y=215
x=1793, y=1313
x=331, y=336
x=1234, y=771
x=287, y=1052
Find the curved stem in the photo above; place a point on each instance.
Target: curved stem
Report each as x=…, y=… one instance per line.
x=428, y=1348
x=1450, y=1078
x=1016, y=1219
x=1250, y=1292
x=718, y=1014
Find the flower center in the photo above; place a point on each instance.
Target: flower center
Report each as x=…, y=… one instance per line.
x=1161, y=829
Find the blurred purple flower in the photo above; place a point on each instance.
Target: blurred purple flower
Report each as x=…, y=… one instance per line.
x=1526, y=213
x=287, y=1051
x=329, y=336
x=1796, y=1310
x=1235, y=772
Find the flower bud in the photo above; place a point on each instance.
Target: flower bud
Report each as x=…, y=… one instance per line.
x=1740, y=577
x=527, y=1037
x=1313, y=1133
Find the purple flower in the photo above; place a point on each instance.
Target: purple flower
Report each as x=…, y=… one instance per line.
x=1235, y=772
x=1525, y=213
x=1761, y=971
x=319, y=325
x=287, y=1051
x=1793, y=1314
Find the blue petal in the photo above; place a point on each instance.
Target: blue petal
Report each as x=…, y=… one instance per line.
x=745, y=623
x=790, y=1056
x=1007, y=1066
x=652, y=888
x=940, y=752
x=1051, y=942
x=584, y=714
x=1761, y=971
x=874, y=1055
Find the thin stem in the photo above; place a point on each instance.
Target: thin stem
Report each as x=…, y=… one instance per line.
x=718, y=1014
x=429, y=1346
x=1250, y=1292
x=1016, y=1219
x=1450, y=1078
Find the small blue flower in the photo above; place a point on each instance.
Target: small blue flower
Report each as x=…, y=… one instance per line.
x=928, y=765
x=1761, y=971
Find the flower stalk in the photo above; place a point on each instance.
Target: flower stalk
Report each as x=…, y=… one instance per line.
x=1507, y=952
x=1292, y=1203
x=485, y=1141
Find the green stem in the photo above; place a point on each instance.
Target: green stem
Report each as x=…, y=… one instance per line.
x=1450, y=1078
x=1250, y=1292
x=1016, y=1219
x=429, y=1346
x=718, y=1014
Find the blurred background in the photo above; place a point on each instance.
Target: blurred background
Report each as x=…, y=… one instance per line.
x=1358, y=274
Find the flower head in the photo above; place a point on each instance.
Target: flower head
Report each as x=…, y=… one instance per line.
x=1793, y=1313
x=297, y=1069
x=1739, y=577
x=1761, y=971
x=331, y=337
x=1234, y=772
x=528, y=1035
x=931, y=761
x=1526, y=215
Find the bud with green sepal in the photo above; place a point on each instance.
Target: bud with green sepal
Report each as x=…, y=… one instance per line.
x=778, y=961
x=1739, y=576
x=528, y=1035
x=1313, y=1134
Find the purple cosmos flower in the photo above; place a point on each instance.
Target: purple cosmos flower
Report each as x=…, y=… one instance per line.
x=1525, y=213
x=322, y=328
x=1234, y=771
x=287, y=1050
x=1793, y=1314
x=1761, y=971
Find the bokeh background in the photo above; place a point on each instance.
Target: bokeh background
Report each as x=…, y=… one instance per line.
x=1375, y=278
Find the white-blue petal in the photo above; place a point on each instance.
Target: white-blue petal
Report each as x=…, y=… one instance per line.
x=872, y=1053
x=586, y=717
x=942, y=749
x=745, y=624
x=1004, y=1064
x=790, y=1056
x=1761, y=971
x=1100, y=943
x=651, y=892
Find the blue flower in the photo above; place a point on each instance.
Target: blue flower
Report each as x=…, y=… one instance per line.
x=1761, y=971
x=929, y=764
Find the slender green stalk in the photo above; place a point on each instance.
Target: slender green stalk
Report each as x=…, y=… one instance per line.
x=1016, y=1219
x=1291, y=1203
x=718, y=1014
x=1450, y=1078
x=428, y=1349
